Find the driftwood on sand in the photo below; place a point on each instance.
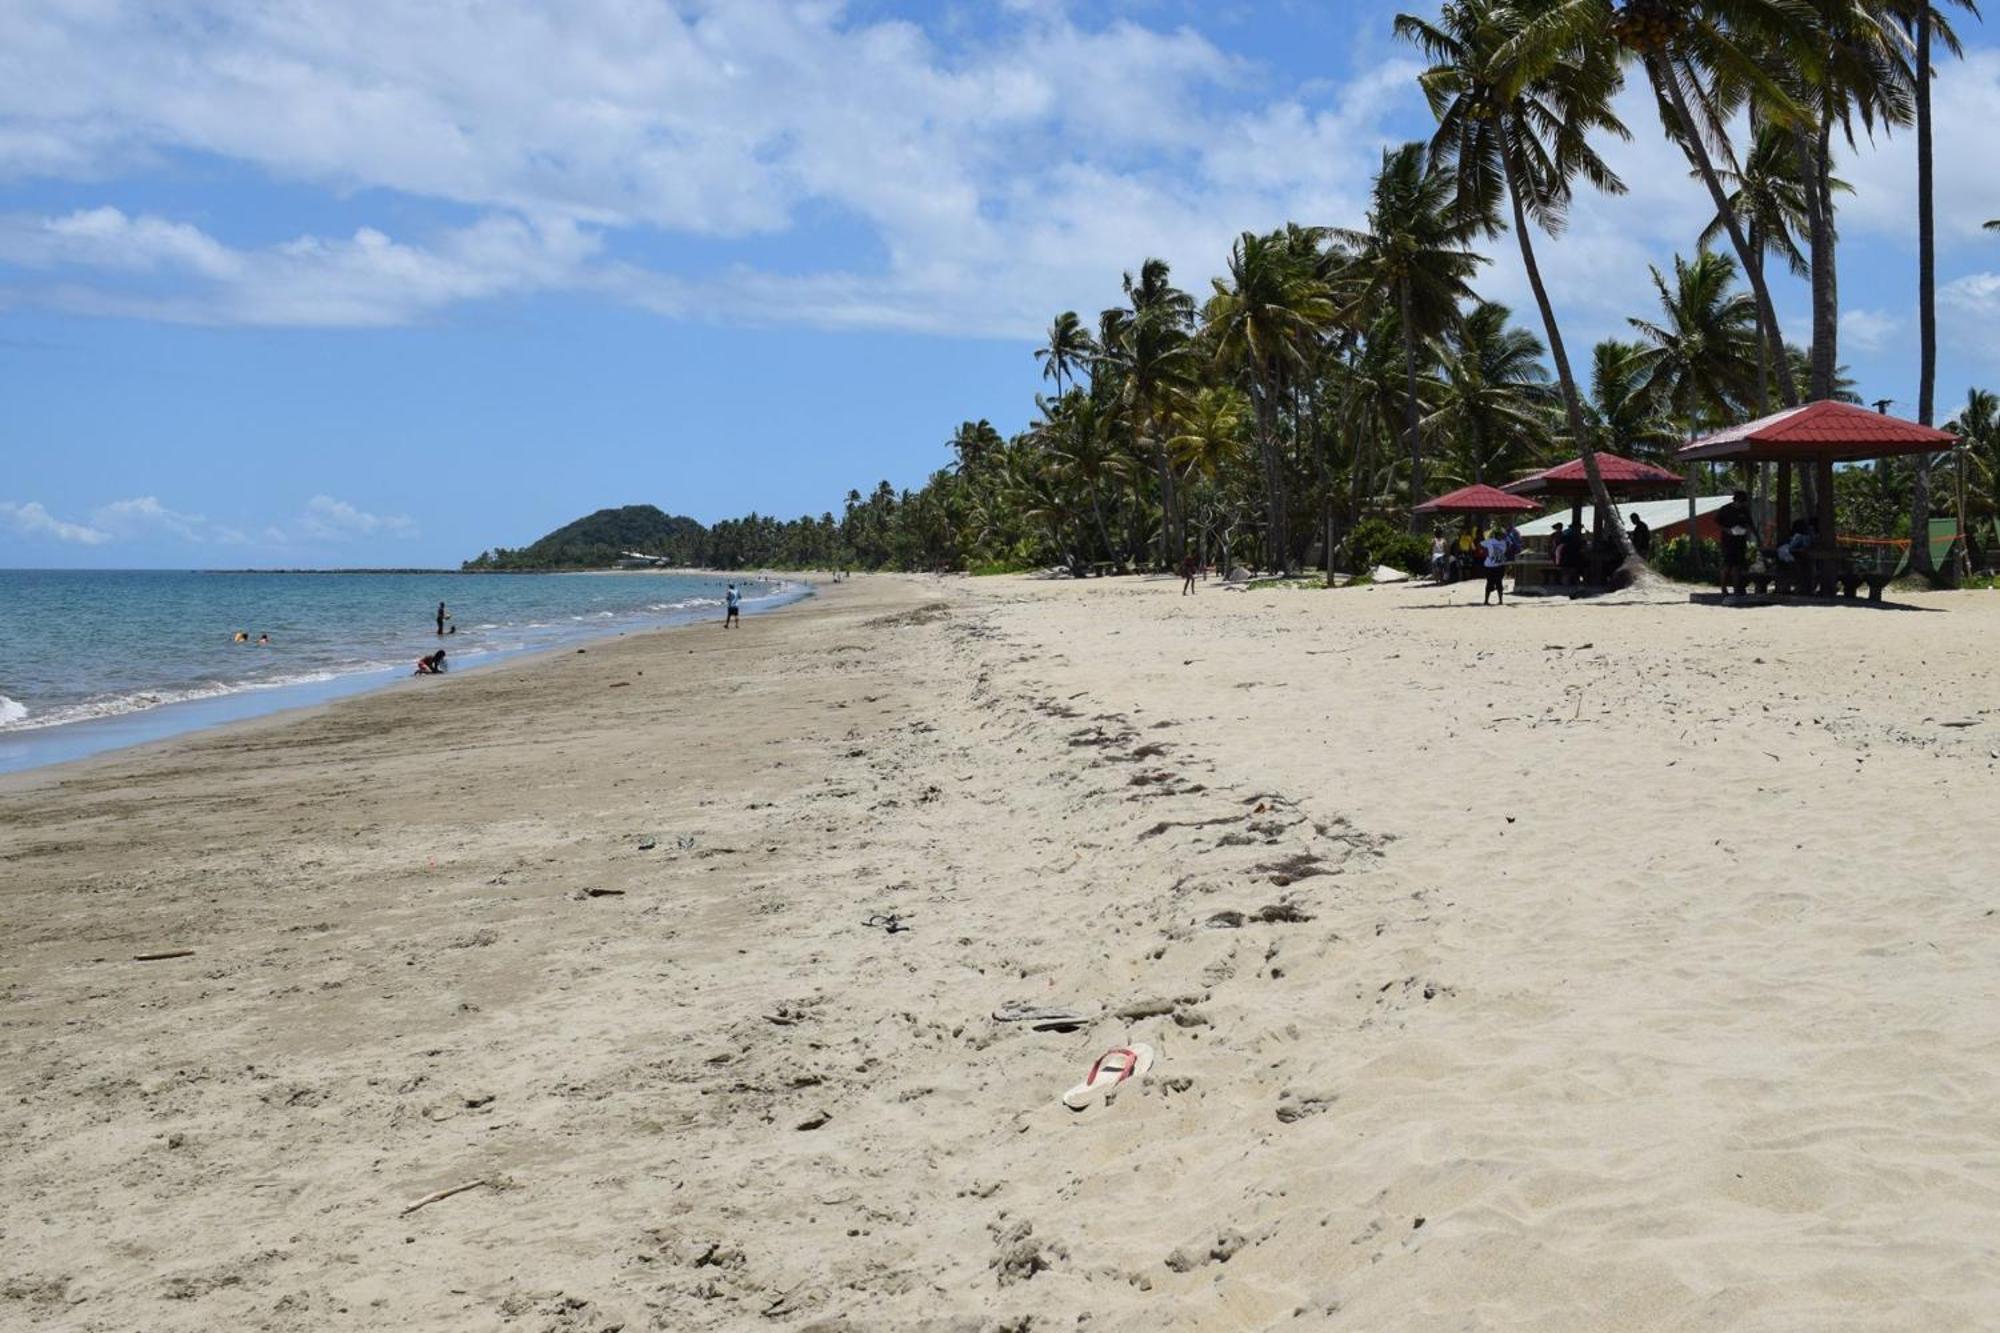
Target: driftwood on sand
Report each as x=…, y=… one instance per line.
x=434, y=1197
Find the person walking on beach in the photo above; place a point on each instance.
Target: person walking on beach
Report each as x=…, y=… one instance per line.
x=1496, y=567
x=1187, y=575
x=734, y=601
x=443, y=616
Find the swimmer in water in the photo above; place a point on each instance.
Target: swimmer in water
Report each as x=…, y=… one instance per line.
x=263, y=641
x=242, y=636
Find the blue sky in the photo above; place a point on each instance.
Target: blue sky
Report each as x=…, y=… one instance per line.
x=373, y=283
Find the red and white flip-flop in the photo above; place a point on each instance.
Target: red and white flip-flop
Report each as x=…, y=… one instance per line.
x=1112, y=1068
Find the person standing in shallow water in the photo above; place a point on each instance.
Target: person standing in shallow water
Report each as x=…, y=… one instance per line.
x=443, y=616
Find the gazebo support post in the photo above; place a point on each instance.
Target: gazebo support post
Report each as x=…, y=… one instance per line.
x=1823, y=473
x=1784, y=509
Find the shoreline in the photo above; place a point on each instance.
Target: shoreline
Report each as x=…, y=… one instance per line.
x=32, y=749
x=1565, y=955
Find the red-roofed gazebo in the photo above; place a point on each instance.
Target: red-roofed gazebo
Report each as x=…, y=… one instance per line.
x=1824, y=432
x=1477, y=500
x=1818, y=434
x=1622, y=476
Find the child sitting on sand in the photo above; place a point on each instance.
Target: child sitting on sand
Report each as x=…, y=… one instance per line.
x=431, y=664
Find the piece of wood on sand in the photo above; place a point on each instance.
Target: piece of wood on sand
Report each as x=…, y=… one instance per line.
x=437, y=1195
x=162, y=955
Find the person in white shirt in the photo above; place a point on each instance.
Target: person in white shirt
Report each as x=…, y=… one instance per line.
x=1495, y=547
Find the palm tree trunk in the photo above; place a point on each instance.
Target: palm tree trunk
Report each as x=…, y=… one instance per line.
x=1668, y=89
x=1572, y=404
x=1412, y=433
x=1097, y=513
x=1920, y=489
x=1274, y=487
x=1813, y=155
x=1168, y=545
x=1763, y=340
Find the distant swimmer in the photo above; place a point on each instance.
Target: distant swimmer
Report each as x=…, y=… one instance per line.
x=443, y=615
x=734, y=600
x=431, y=664
x=263, y=641
x=242, y=636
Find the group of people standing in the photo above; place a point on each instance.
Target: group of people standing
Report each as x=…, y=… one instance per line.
x=1571, y=550
x=1491, y=553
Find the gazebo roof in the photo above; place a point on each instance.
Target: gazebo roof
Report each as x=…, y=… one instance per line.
x=1619, y=473
x=1477, y=500
x=1821, y=432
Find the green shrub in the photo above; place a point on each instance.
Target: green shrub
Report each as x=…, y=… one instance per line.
x=1375, y=542
x=1688, y=562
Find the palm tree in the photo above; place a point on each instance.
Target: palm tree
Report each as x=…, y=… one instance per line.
x=1259, y=320
x=1207, y=444
x=1769, y=195
x=1071, y=433
x=1852, y=72
x=1696, y=362
x=1152, y=356
x=1491, y=398
x=1511, y=124
x=1623, y=407
x=1068, y=349
x=973, y=443
x=1414, y=258
x=1977, y=426
x=1700, y=57
x=1928, y=22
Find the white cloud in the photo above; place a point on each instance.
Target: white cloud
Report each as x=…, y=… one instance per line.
x=991, y=178
x=328, y=519
x=1969, y=309
x=30, y=519
x=367, y=279
x=999, y=179
x=145, y=516
x=1965, y=105
x=1869, y=330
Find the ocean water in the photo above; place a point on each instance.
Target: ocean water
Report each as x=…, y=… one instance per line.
x=94, y=659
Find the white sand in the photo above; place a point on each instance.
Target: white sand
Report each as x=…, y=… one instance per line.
x=1649, y=978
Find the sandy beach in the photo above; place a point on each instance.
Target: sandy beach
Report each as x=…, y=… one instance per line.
x=1568, y=966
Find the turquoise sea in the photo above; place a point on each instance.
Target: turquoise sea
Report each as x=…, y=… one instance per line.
x=91, y=660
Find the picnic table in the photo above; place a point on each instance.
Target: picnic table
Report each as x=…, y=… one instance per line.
x=1832, y=571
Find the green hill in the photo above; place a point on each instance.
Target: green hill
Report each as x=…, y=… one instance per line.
x=598, y=540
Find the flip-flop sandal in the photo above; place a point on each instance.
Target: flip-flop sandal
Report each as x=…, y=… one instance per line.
x=1112, y=1068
